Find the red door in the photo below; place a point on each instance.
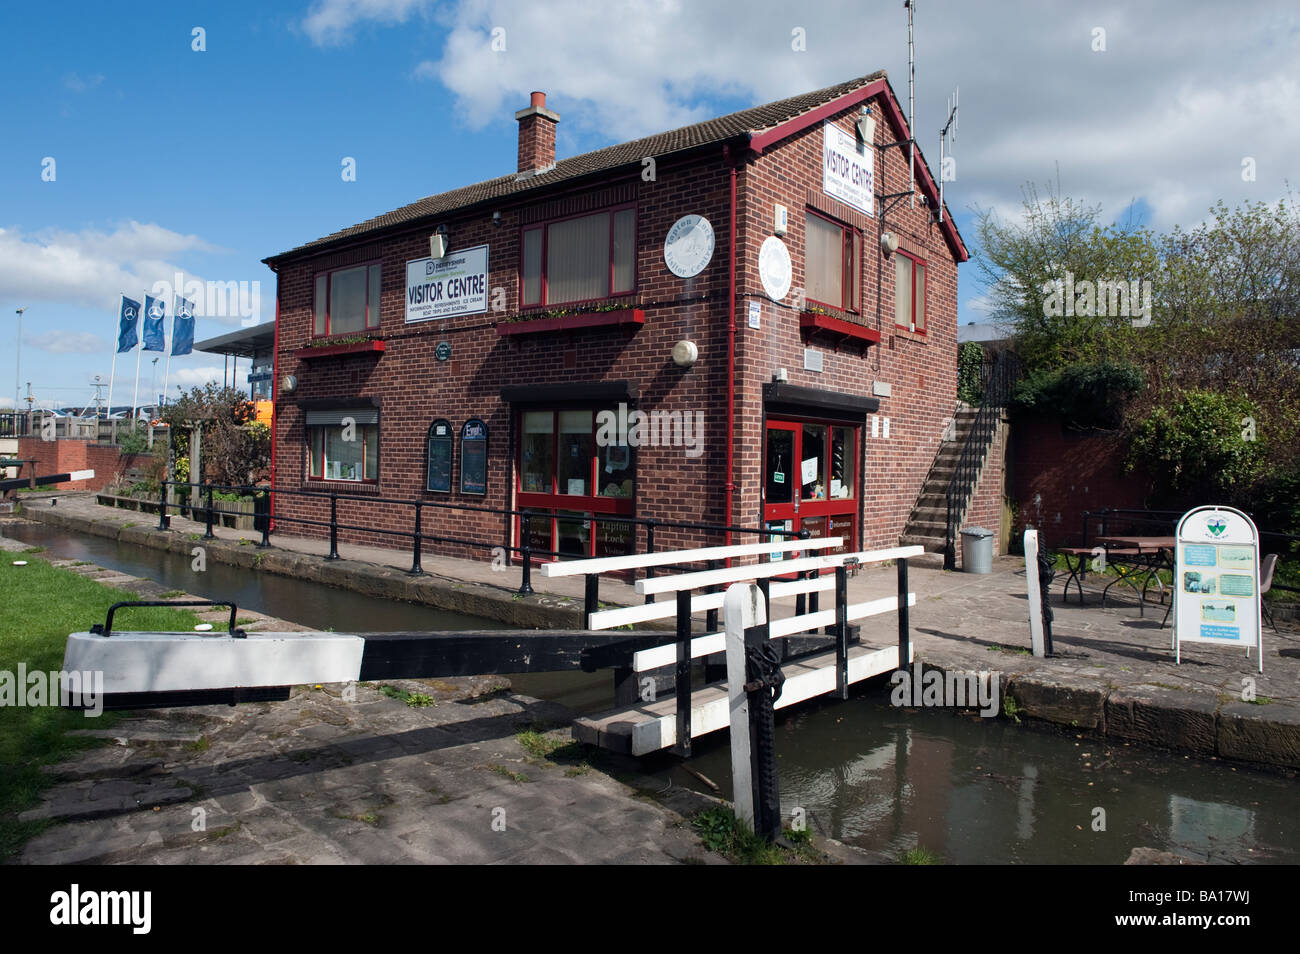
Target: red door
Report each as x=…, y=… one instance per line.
x=810, y=478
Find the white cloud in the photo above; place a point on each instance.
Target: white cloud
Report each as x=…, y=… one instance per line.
x=67, y=342
x=92, y=268
x=194, y=377
x=79, y=84
x=1165, y=114
x=332, y=22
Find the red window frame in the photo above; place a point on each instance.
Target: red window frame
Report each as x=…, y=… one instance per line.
x=371, y=322
x=850, y=249
x=911, y=326
x=545, y=228
x=371, y=481
x=554, y=505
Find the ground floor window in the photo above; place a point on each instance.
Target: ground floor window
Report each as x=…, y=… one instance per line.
x=343, y=445
x=572, y=478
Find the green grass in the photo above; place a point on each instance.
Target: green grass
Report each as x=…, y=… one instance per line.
x=919, y=856
x=1013, y=650
x=39, y=606
x=416, y=700
x=1261, y=701
x=724, y=834
x=1010, y=708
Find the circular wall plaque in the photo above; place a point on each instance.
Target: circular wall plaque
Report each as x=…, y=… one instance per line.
x=443, y=351
x=774, y=267
x=689, y=246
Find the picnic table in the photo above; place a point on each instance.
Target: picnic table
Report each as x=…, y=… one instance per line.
x=1134, y=558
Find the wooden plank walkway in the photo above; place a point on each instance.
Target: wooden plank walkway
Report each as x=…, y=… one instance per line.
x=649, y=727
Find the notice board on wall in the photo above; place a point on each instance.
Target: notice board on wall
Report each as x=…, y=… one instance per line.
x=473, y=457
x=440, y=441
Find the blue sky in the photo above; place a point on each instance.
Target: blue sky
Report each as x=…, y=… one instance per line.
x=170, y=159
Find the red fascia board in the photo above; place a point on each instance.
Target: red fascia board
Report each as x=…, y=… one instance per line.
x=893, y=112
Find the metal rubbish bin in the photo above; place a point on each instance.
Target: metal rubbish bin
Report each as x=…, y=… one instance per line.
x=976, y=550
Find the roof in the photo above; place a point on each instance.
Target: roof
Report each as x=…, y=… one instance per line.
x=982, y=332
x=244, y=343
x=759, y=125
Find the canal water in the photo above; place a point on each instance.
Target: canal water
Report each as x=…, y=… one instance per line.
x=966, y=789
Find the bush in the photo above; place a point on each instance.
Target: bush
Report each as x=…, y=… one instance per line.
x=1198, y=446
x=1083, y=396
x=970, y=364
x=135, y=440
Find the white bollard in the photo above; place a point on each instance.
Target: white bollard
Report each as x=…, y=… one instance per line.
x=1035, y=593
x=743, y=607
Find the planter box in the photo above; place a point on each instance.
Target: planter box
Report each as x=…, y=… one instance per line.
x=812, y=323
x=333, y=351
x=631, y=317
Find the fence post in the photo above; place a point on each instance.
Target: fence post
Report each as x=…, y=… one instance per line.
x=163, y=522
x=263, y=511
x=682, y=747
x=842, y=631
x=334, y=526
x=208, y=534
x=904, y=632
x=417, y=543
x=590, y=597
x=711, y=616
x=526, y=552
x=743, y=610
x=650, y=548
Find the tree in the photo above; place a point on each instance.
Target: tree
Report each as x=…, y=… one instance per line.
x=236, y=449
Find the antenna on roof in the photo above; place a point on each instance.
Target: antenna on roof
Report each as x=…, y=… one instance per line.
x=946, y=135
x=911, y=104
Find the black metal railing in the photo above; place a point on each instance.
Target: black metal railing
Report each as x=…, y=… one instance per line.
x=997, y=379
x=14, y=424
x=423, y=529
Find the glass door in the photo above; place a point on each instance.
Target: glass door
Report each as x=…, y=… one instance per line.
x=810, y=479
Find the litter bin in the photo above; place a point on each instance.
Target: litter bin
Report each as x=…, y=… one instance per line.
x=976, y=550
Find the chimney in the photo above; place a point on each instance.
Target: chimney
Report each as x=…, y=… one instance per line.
x=536, y=136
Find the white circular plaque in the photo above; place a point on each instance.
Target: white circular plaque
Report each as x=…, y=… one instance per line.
x=774, y=268
x=689, y=246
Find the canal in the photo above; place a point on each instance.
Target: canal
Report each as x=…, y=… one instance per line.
x=966, y=789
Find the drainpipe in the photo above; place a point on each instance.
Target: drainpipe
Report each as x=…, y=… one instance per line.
x=275, y=385
x=731, y=348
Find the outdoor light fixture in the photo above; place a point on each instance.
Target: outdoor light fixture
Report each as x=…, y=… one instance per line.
x=496, y=218
x=866, y=126
x=289, y=383
x=438, y=242
x=685, y=353
x=782, y=375
x=888, y=242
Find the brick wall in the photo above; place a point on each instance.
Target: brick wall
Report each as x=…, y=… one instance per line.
x=68, y=454
x=986, y=505
x=413, y=388
x=1059, y=474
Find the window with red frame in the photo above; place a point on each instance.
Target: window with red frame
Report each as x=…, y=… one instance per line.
x=832, y=263
x=347, y=300
x=584, y=258
x=909, y=292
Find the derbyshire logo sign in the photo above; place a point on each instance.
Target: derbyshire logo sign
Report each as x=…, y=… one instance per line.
x=456, y=284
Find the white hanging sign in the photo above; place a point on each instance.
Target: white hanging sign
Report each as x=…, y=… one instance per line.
x=1216, y=580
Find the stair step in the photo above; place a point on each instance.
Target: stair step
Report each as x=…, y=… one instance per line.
x=931, y=544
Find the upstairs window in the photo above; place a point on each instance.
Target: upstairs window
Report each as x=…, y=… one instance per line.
x=579, y=259
x=909, y=292
x=832, y=263
x=347, y=300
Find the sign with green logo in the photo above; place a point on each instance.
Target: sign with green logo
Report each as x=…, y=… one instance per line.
x=1216, y=580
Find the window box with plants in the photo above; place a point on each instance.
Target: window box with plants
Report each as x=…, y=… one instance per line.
x=572, y=318
x=333, y=347
x=838, y=326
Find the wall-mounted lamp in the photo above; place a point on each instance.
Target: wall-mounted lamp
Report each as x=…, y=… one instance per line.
x=888, y=242
x=866, y=126
x=496, y=218
x=289, y=383
x=438, y=242
x=782, y=375
x=685, y=353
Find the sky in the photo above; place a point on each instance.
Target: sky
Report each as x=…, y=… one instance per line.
x=147, y=142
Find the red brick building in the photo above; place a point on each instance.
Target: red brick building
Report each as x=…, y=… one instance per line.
x=792, y=368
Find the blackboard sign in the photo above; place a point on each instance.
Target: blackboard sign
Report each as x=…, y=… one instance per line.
x=473, y=457
x=440, y=456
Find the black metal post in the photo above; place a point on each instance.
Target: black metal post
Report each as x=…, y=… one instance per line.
x=208, y=534
x=417, y=543
x=526, y=551
x=650, y=548
x=162, y=507
x=590, y=597
x=904, y=631
x=334, y=527
x=263, y=506
x=763, y=687
x=711, y=616
x=682, y=747
x=842, y=631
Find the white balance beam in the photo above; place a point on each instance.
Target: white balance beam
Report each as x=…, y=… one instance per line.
x=647, y=612
x=638, y=561
x=739, y=574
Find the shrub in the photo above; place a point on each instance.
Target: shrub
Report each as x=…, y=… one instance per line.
x=1197, y=446
x=1083, y=396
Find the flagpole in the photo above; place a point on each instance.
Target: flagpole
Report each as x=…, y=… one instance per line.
x=168, y=370
x=136, y=393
